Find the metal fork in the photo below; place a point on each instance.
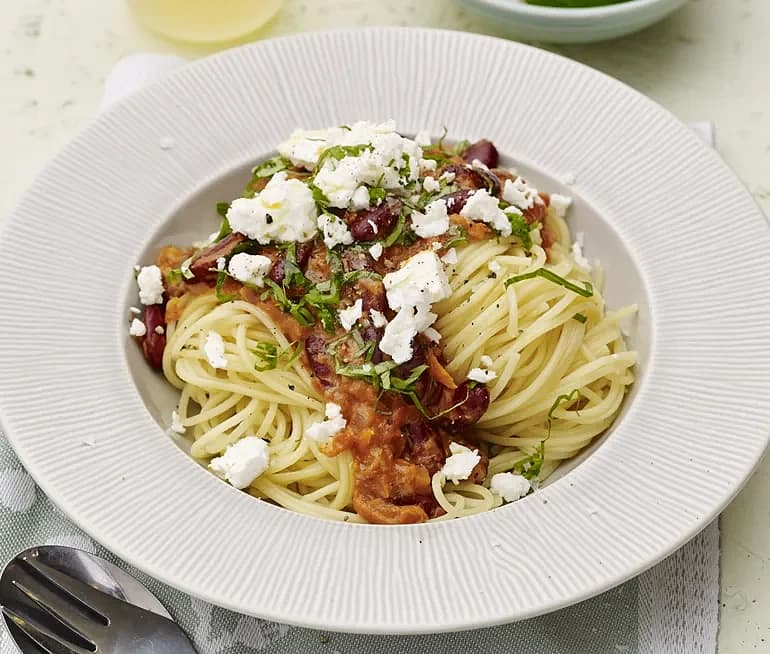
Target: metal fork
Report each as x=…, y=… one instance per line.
x=63, y=615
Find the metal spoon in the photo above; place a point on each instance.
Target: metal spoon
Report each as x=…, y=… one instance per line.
x=60, y=600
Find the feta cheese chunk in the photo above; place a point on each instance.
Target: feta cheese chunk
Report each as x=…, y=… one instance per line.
x=214, y=349
x=150, y=284
x=431, y=185
x=421, y=280
x=334, y=423
x=360, y=199
x=376, y=251
x=422, y=137
x=460, y=464
x=450, y=257
x=484, y=207
x=520, y=194
x=448, y=177
x=176, y=424
x=335, y=230
x=378, y=318
x=495, y=267
x=509, y=486
x=137, y=328
x=284, y=211
x=351, y=315
x=304, y=147
x=434, y=222
x=242, y=462
x=577, y=253
x=221, y=262
x=249, y=268
x=431, y=334
x=560, y=204
x=482, y=376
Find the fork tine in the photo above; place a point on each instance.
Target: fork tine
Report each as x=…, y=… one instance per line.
x=48, y=641
x=62, y=610
x=96, y=601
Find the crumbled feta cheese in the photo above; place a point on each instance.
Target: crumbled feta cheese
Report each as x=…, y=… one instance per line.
x=214, y=349
x=520, y=194
x=390, y=161
x=577, y=253
x=484, y=207
x=159, y=330
x=431, y=184
x=335, y=230
x=481, y=376
x=150, y=285
x=434, y=222
x=249, y=268
x=450, y=257
x=448, y=177
x=461, y=462
x=422, y=137
x=176, y=423
x=495, y=267
x=509, y=486
x=242, y=462
x=486, y=361
x=283, y=211
x=378, y=318
x=428, y=164
x=410, y=291
x=376, y=251
x=350, y=316
x=135, y=310
x=221, y=261
x=477, y=163
x=304, y=147
x=421, y=280
x=432, y=335
x=334, y=423
x=360, y=199
x=560, y=204
x=137, y=328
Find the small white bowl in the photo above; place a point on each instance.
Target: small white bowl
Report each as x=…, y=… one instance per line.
x=565, y=25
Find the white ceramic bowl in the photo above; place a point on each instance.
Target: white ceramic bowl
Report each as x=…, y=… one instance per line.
x=559, y=25
x=651, y=199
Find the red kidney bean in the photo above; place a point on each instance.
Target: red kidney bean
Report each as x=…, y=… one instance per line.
x=278, y=269
x=472, y=179
x=153, y=343
x=473, y=402
x=373, y=224
x=484, y=151
x=456, y=201
x=202, y=264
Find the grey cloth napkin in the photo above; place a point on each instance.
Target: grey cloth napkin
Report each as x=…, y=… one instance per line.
x=670, y=609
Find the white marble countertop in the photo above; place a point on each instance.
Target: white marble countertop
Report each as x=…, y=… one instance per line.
x=707, y=61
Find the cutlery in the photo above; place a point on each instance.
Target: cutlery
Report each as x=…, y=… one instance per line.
x=60, y=600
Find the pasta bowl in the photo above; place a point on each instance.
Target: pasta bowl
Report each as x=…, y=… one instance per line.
x=89, y=421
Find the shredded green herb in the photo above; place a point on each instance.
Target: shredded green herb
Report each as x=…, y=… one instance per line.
x=268, y=355
x=318, y=197
x=270, y=167
x=174, y=276
x=520, y=228
x=222, y=275
x=573, y=395
x=377, y=195
x=341, y=151
x=551, y=276
x=529, y=467
x=580, y=318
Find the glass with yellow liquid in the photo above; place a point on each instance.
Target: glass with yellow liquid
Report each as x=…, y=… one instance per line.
x=204, y=21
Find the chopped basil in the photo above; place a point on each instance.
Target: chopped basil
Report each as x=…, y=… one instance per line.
x=377, y=194
x=580, y=318
x=174, y=276
x=318, y=197
x=354, y=275
x=530, y=466
x=551, y=276
x=566, y=397
x=222, y=275
x=295, y=309
x=268, y=355
x=520, y=228
x=222, y=208
x=342, y=151
x=270, y=167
